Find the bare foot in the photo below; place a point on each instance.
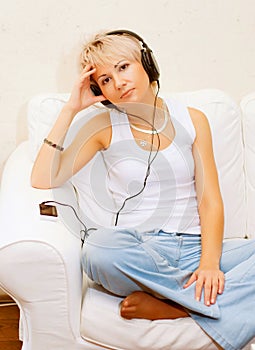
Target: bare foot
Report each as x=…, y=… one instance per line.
x=143, y=305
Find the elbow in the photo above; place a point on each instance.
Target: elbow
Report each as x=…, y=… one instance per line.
x=40, y=187
x=43, y=182
x=214, y=206
x=39, y=183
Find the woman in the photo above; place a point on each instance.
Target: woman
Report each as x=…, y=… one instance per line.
x=163, y=253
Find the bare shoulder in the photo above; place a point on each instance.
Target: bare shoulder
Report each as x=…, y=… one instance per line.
x=199, y=119
x=100, y=126
x=197, y=115
x=101, y=120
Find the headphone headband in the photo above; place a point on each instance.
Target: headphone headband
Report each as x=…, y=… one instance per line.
x=128, y=32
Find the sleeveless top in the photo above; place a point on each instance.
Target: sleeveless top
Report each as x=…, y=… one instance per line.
x=168, y=201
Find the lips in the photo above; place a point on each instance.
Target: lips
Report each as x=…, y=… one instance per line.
x=127, y=93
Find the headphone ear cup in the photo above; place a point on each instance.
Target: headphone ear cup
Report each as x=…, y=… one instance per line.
x=96, y=90
x=149, y=64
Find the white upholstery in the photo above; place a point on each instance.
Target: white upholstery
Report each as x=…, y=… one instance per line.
x=136, y=334
x=248, y=108
x=41, y=258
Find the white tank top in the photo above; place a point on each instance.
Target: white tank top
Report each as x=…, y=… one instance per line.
x=169, y=200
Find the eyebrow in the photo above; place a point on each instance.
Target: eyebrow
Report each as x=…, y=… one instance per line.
x=101, y=76
x=116, y=65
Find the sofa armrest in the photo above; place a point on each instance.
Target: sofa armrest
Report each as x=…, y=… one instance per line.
x=41, y=259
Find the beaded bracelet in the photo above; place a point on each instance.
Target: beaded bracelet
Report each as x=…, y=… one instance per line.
x=54, y=145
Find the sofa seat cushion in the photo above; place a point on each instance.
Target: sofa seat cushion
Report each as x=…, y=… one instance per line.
x=102, y=324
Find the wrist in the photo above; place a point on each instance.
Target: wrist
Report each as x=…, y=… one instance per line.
x=70, y=109
x=209, y=264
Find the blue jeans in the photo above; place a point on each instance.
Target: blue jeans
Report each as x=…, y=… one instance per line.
x=123, y=261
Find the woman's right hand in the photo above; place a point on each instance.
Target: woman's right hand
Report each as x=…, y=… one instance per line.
x=82, y=95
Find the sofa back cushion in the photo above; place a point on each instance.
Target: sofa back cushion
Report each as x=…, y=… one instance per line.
x=225, y=119
x=226, y=124
x=248, y=108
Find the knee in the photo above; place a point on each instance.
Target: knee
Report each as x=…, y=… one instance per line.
x=105, y=249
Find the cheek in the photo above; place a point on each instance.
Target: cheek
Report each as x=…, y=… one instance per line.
x=109, y=93
x=107, y=90
x=142, y=75
x=140, y=68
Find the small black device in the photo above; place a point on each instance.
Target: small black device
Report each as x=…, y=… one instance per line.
x=48, y=212
x=147, y=58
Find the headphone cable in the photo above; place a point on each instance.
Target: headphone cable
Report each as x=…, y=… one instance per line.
x=150, y=161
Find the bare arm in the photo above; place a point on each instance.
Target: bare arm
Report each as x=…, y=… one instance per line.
x=52, y=167
x=208, y=276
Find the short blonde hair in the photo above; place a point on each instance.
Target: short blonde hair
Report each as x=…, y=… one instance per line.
x=103, y=48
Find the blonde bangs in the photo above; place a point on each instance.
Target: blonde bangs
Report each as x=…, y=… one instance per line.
x=103, y=49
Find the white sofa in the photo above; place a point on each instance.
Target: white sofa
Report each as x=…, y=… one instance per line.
x=40, y=259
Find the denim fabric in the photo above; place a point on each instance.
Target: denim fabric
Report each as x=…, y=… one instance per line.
x=123, y=261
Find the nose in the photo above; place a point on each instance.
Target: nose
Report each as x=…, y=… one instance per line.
x=119, y=81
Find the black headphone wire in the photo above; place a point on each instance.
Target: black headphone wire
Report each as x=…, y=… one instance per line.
x=150, y=159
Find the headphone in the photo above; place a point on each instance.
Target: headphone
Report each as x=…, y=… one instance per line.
x=147, y=58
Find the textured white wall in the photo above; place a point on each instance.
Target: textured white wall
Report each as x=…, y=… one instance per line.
x=198, y=44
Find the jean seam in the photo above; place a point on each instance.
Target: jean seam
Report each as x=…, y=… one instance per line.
x=143, y=247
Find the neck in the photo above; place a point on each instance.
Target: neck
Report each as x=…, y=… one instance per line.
x=144, y=107
x=144, y=116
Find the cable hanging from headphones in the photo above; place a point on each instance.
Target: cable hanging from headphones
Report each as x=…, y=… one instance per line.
x=150, y=160
x=85, y=231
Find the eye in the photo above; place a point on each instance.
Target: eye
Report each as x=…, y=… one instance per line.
x=124, y=66
x=105, y=81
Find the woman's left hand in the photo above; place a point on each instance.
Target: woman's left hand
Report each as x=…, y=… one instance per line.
x=211, y=280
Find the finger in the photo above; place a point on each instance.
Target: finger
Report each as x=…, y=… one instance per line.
x=87, y=73
x=214, y=291
x=221, y=284
x=199, y=288
x=192, y=279
x=208, y=292
x=88, y=67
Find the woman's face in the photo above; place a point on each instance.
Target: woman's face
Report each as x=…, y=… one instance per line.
x=124, y=80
